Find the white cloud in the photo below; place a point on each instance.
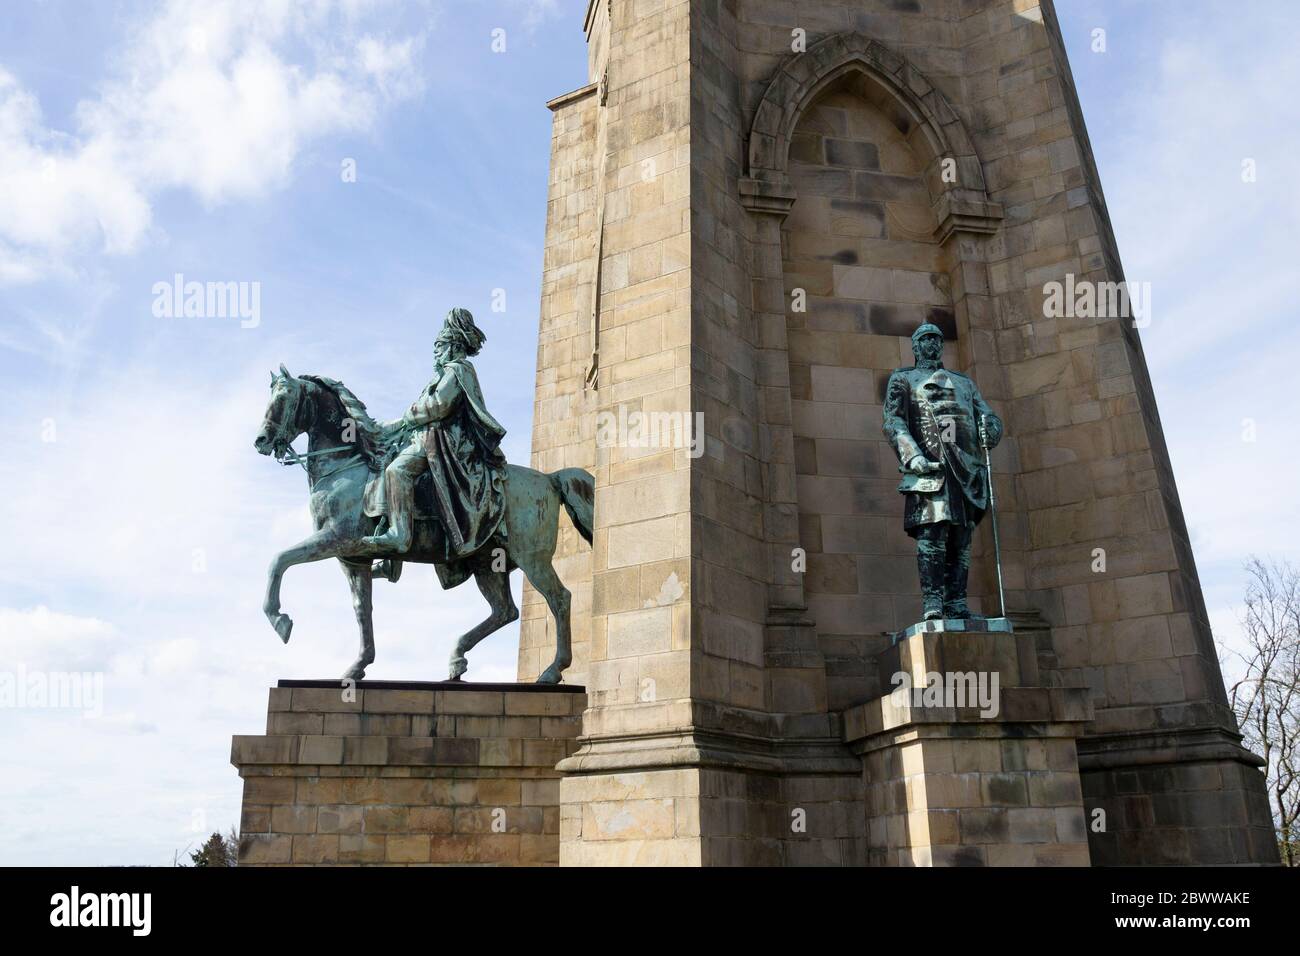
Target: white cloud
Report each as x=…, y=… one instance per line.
x=391, y=64
x=217, y=97
x=40, y=638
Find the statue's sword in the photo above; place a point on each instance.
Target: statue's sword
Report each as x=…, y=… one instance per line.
x=993, y=514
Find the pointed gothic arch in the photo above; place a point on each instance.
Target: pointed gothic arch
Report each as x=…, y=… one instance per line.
x=917, y=107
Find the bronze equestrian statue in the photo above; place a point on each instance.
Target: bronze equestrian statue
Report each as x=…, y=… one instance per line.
x=438, y=479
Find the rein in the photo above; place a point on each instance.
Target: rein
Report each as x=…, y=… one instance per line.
x=294, y=457
x=301, y=459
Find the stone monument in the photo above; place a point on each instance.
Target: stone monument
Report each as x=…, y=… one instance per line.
x=355, y=772
x=752, y=206
x=431, y=487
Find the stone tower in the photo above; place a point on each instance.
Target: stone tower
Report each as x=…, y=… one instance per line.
x=751, y=206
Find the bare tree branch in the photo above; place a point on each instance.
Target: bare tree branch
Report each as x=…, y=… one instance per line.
x=1266, y=700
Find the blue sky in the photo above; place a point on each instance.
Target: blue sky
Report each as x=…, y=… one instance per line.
x=139, y=140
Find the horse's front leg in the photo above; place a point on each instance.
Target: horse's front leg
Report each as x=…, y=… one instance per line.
x=315, y=547
x=359, y=580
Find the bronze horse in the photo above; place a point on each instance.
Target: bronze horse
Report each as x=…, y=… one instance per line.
x=345, y=449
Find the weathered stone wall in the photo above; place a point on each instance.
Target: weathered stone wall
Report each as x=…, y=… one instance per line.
x=712, y=817
x=563, y=415
x=1164, y=813
x=392, y=777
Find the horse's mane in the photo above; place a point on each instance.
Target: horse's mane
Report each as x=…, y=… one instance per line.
x=370, y=433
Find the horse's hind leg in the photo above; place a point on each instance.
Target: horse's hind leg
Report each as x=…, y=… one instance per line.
x=495, y=587
x=359, y=581
x=543, y=577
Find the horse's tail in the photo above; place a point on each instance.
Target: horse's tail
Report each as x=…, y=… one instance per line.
x=577, y=489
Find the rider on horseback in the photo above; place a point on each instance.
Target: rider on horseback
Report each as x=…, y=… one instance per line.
x=453, y=437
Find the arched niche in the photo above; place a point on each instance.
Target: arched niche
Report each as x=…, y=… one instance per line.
x=844, y=481
x=921, y=112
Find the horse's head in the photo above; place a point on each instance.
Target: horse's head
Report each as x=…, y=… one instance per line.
x=284, y=414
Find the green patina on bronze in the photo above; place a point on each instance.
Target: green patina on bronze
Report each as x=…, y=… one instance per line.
x=437, y=478
x=941, y=428
x=448, y=434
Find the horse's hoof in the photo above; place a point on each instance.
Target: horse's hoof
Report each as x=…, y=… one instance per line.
x=284, y=627
x=458, y=666
x=358, y=669
x=549, y=676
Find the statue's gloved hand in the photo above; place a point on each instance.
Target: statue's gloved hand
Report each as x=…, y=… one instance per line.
x=920, y=465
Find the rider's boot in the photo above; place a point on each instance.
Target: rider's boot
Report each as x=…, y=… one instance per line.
x=397, y=538
x=401, y=494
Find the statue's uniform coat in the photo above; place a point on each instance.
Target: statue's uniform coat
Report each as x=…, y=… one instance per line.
x=921, y=405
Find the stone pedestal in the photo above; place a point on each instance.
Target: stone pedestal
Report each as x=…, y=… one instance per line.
x=967, y=625
x=967, y=762
x=396, y=773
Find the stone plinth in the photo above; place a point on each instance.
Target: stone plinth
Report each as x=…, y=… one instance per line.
x=985, y=773
x=964, y=644
x=970, y=625
x=395, y=773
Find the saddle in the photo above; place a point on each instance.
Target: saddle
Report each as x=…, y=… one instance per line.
x=452, y=569
x=374, y=500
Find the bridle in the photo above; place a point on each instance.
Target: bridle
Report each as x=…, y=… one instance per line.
x=294, y=457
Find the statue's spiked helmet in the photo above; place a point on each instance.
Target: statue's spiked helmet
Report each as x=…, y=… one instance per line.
x=922, y=332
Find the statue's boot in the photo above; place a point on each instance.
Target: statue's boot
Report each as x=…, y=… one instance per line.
x=956, y=575
x=397, y=538
x=401, y=501
x=930, y=560
x=954, y=602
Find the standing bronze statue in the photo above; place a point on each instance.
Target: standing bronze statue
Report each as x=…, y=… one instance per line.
x=941, y=427
x=451, y=499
